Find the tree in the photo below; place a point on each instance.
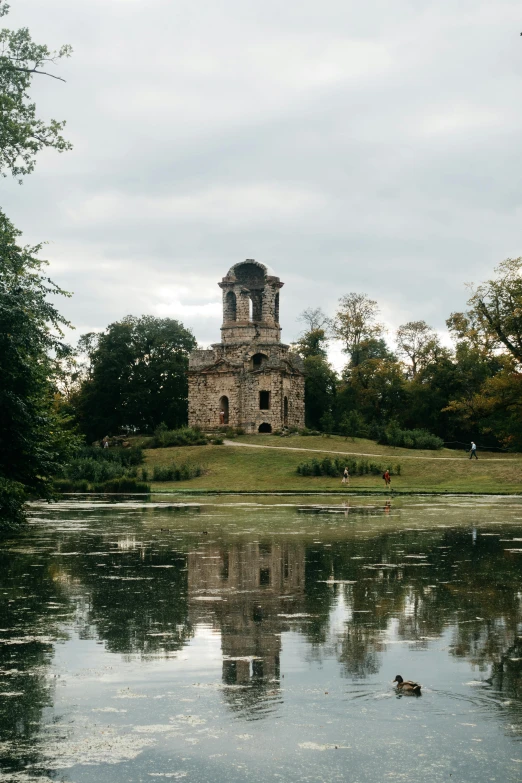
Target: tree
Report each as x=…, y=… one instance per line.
x=34, y=438
x=495, y=315
x=418, y=343
x=312, y=343
x=136, y=377
x=314, y=318
x=355, y=322
x=22, y=133
x=320, y=379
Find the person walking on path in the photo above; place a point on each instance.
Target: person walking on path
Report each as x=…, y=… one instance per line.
x=387, y=478
x=473, y=451
x=346, y=477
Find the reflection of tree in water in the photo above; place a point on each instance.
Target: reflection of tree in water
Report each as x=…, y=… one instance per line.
x=136, y=595
x=33, y=607
x=425, y=581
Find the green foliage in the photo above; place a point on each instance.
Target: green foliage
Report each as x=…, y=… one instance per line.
x=393, y=435
x=356, y=323
x=96, y=465
x=22, y=133
x=135, y=378
x=12, y=498
x=335, y=467
x=184, y=436
x=35, y=437
x=181, y=472
x=124, y=484
x=353, y=425
x=125, y=457
x=327, y=423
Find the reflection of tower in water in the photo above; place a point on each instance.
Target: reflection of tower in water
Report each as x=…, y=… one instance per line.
x=261, y=585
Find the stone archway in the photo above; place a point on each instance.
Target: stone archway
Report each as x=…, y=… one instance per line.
x=223, y=410
x=230, y=313
x=265, y=427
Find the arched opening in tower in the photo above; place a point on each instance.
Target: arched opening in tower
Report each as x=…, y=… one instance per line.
x=223, y=410
x=230, y=313
x=258, y=359
x=257, y=306
x=276, y=308
x=285, y=411
x=265, y=427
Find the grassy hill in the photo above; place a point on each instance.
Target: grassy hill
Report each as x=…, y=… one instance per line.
x=243, y=466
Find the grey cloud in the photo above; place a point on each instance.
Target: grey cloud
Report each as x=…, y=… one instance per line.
x=370, y=147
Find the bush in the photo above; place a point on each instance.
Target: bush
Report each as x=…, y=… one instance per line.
x=12, y=499
x=335, y=467
x=125, y=457
x=393, y=435
x=182, y=472
x=185, y=436
x=353, y=425
x=90, y=469
x=68, y=485
x=126, y=485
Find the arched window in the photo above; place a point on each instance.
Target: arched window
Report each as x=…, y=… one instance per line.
x=258, y=359
x=230, y=306
x=257, y=306
x=276, y=309
x=223, y=410
x=285, y=411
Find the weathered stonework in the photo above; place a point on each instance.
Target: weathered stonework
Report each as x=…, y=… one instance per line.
x=249, y=379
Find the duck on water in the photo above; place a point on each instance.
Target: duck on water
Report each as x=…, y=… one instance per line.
x=407, y=686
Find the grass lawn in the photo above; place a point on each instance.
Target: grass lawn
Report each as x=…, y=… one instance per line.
x=240, y=467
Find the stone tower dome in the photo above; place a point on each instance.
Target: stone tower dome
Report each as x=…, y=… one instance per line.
x=250, y=379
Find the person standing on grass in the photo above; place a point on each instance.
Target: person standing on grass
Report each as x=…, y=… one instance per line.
x=473, y=451
x=346, y=477
x=387, y=478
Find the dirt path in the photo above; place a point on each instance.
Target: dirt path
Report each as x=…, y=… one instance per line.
x=364, y=454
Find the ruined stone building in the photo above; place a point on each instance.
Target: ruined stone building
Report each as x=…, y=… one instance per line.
x=249, y=379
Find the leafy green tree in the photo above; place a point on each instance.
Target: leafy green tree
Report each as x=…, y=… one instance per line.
x=495, y=314
x=34, y=437
x=320, y=378
x=356, y=322
x=22, y=133
x=136, y=377
x=418, y=343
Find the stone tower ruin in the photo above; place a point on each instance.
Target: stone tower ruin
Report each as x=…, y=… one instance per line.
x=250, y=379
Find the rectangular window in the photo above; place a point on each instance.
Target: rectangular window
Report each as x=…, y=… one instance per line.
x=264, y=400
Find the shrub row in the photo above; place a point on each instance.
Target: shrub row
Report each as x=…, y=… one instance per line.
x=127, y=485
x=335, y=468
x=185, y=436
x=393, y=435
x=182, y=472
x=119, y=455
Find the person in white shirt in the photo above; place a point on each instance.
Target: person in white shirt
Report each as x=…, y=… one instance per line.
x=473, y=451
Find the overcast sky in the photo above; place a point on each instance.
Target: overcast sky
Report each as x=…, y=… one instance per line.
x=353, y=146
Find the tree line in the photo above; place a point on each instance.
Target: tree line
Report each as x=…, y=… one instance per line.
x=472, y=390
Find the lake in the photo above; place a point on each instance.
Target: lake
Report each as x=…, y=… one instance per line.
x=256, y=638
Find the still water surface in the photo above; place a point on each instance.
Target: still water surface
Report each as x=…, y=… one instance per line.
x=253, y=641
